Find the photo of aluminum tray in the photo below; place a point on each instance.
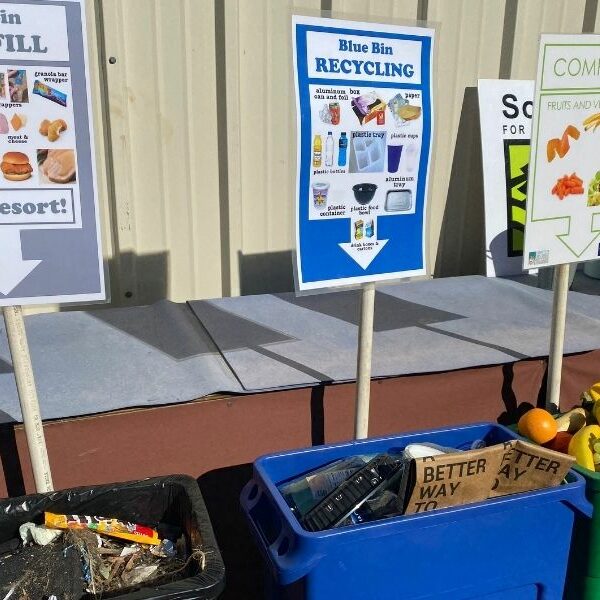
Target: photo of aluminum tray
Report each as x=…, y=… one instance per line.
x=398, y=201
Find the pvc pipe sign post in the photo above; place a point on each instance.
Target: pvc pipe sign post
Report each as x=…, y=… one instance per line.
x=365, y=124
x=50, y=245
x=563, y=205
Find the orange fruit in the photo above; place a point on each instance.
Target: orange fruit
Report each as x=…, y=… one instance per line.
x=538, y=425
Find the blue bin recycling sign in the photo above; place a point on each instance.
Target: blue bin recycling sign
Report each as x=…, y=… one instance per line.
x=365, y=124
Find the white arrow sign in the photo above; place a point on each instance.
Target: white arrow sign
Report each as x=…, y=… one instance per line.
x=581, y=234
x=13, y=269
x=366, y=248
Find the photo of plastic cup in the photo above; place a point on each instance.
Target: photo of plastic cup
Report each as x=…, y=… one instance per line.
x=320, y=190
x=412, y=157
x=394, y=153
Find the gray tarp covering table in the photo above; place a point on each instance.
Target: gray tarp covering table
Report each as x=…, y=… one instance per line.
x=97, y=361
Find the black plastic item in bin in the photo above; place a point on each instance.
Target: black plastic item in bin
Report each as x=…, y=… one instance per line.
x=175, y=500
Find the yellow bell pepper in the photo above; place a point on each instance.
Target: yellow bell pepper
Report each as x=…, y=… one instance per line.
x=592, y=394
x=581, y=446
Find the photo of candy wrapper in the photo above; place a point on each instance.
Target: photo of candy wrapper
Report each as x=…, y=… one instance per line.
x=17, y=86
x=45, y=91
x=2, y=85
x=367, y=106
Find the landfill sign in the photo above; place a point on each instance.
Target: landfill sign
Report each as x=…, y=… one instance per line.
x=563, y=200
x=505, y=109
x=50, y=249
x=365, y=123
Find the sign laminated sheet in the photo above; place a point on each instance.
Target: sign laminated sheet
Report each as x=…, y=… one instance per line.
x=563, y=205
x=50, y=248
x=505, y=110
x=365, y=124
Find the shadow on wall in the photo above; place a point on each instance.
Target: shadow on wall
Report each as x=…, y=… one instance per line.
x=461, y=250
x=266, y=273
x=134, y=280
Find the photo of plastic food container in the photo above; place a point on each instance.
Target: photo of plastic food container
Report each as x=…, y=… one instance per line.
x=320, y=190
x=364, y=192
x=398, y=201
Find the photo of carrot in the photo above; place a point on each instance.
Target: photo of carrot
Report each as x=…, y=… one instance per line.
x=568, y=185
x=561, y=146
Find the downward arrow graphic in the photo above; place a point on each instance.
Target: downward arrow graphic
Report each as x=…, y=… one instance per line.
x=578, y=237
x=365, y=250
x=13, y=269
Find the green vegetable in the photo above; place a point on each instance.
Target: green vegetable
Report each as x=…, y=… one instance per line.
x=594, y=191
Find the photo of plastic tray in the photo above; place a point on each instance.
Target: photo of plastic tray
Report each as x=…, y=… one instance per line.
x=367, y=155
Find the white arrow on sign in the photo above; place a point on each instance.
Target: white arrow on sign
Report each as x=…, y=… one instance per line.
x=13, y=269
x=578, y=237
x=364, y=250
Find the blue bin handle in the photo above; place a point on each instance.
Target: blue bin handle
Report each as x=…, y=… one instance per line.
x=279, y=552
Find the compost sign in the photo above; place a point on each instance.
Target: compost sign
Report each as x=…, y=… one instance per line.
x=505, y=110
x=365, y=123
x=50, y=249
x=563, y=206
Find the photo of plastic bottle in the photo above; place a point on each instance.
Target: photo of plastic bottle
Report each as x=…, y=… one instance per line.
x=343, y=147
x=317, y=151
x=329, y=147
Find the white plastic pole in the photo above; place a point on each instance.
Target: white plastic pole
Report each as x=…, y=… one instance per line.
x=32, y=420
x=363, y=368
x=557, y=335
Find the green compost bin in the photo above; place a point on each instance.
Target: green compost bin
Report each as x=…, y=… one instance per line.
x=583, y=580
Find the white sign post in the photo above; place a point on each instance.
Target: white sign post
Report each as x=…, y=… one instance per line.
x=563, y=206
x=50, y=248
x=365, y=123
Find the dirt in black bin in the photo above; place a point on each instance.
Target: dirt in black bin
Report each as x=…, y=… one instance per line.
x=38, y=572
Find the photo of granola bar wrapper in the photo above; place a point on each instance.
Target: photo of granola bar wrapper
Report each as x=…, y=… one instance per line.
x=45, y=91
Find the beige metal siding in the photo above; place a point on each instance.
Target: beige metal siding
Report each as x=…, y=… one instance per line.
x=201, y=130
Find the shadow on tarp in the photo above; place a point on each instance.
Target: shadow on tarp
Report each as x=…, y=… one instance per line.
x=244, y=569
x=5, y=367
x=390, y=312
x=167, y=326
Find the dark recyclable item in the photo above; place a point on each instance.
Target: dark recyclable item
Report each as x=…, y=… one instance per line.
x=364, y=192
x=350, y=495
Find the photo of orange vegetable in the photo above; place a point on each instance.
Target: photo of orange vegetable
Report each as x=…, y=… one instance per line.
x=561, y=146
x=568, y=185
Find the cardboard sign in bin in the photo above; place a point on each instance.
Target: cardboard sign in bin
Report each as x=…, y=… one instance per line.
x=507, y=547
x=454, y=479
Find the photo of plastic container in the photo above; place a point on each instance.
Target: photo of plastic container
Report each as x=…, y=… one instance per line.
x=320, y=189
x=394, y=152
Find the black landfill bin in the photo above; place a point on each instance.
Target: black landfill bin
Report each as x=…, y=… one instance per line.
x=175, y=499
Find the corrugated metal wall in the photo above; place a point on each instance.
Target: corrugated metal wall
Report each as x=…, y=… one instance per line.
x=199, y=126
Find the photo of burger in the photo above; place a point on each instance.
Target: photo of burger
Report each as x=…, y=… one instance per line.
x=15, y=166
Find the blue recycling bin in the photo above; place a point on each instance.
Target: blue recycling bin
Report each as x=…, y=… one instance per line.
x=510, y=548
